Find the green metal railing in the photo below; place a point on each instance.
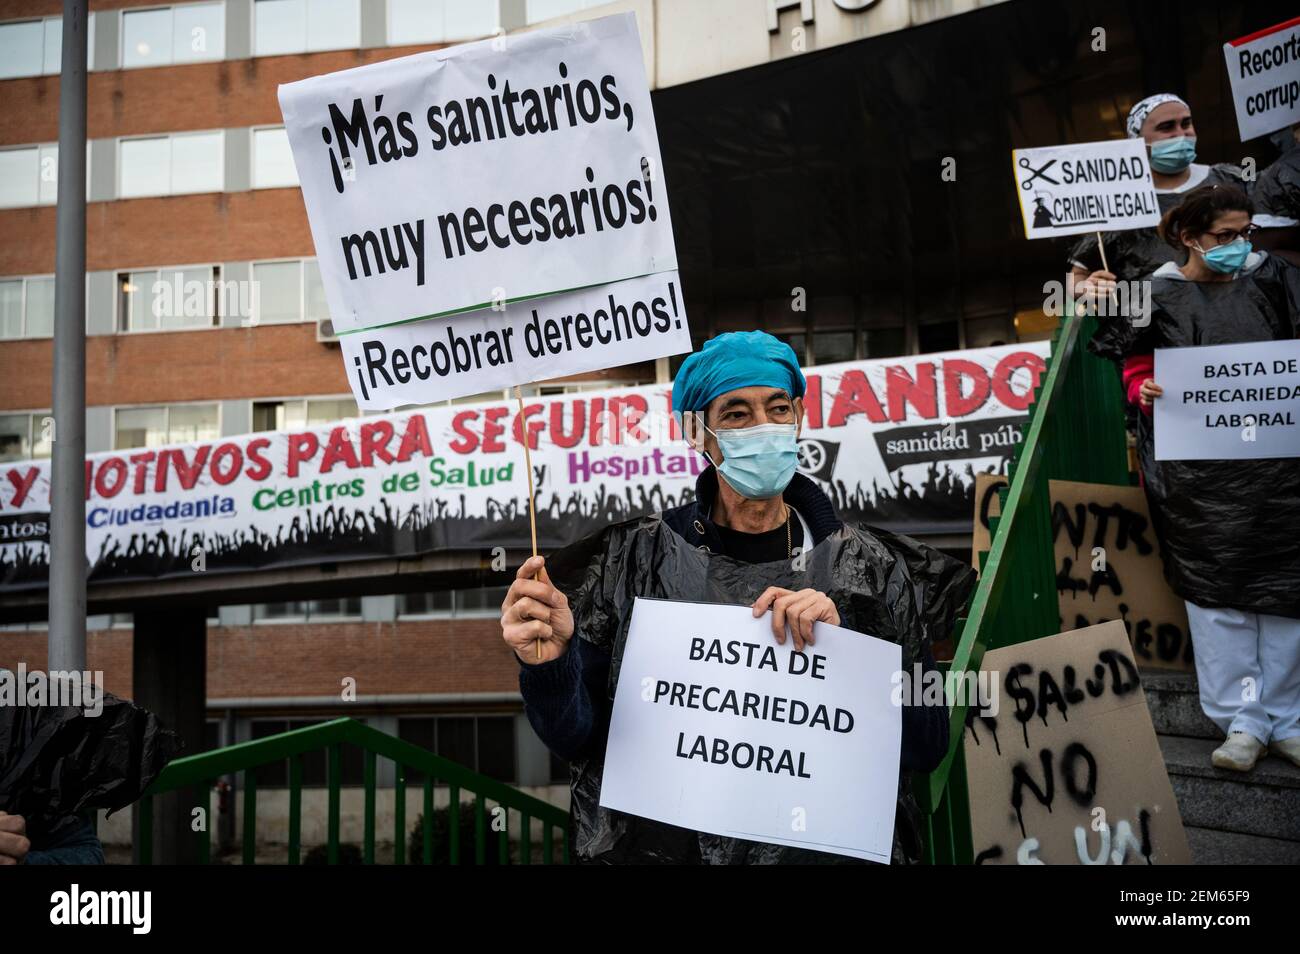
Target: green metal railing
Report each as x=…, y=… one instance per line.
x=202, y=772
x=1075, y=432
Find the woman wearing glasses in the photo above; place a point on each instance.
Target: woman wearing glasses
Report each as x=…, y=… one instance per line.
x=1229, y=530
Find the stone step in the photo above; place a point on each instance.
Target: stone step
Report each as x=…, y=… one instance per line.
x=1175, y=705
x=1263, y=802
x=1210, y=847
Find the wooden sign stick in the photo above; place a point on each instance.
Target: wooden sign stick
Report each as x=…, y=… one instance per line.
x=532, y=507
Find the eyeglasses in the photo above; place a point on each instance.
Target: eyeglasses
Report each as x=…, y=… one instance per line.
x=1227, y=236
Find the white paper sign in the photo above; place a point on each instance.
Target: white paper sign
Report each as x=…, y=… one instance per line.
x=717, y=728
x=1264, y=70
x=1228, y=402
x=502, y=170
x=1086, y=187
x=440, y=358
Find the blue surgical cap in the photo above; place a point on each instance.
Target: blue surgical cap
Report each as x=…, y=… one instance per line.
x=737, y=359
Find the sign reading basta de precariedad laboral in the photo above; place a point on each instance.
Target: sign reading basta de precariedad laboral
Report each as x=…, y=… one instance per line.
x=490, y=214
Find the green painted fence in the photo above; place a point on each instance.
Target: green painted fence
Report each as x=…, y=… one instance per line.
x=1075, y=432
x=201, y=773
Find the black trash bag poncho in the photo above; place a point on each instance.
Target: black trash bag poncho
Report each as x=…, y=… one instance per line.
x=1277, y=194
x=1229, y=530
x=887, y=586
x=56, y=762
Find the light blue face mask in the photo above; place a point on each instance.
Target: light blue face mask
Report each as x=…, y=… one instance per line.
x=758, y=462
x=1173, y=155
x=1226, y=259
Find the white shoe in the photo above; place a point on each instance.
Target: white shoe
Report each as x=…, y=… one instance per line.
x=1239, y=752
x=1289, y=749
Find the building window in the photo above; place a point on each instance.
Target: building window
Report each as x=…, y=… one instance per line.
x=305, y=26
x=273, y=166
x=26, y=436
x=191, y=33
x=171, y=165
x=479, y=602
x=166, y=299
x=539, y=10
x=288, y=292
x=27, y=307
x=308, y=611
x=29, y=176
x=168, y=424
x=35, y=47
x=430, y=21
x=296, y=415
x=485, y=744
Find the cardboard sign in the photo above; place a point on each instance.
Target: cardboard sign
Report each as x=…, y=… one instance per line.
x=1069, y=771
x=425, y=361
x=1264, y=70
x=1228, y=402
x=717, y=728
x=487, y=173
x=1108, y=566
x=1087, y=187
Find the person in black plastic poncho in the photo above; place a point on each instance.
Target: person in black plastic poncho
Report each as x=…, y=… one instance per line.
x=757, y=534
x=1229, y=530
x=1164, y=123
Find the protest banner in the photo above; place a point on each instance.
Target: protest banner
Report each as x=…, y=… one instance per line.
x=1228, y=402
x=1084, y=187
x=1069, y=770
x=717, y=728
x=483, y=174
x=425, y=361
x=895, y=442
x=1108, y=565
x=1264, y=71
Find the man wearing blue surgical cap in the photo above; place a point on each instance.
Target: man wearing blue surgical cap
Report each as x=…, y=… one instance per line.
x=740, y=404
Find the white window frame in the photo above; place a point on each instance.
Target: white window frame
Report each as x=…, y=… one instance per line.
x=31, y=425
x=252, y=160
x=309, y=617
x=388, y=28
x=302, y=290
x=117, y=273
x=24, y=336
x=456, y=612
x=166, y=406
x=121, y=34
x=90, y=43
x=306, y=48
x=171, y=137
x=305, y=399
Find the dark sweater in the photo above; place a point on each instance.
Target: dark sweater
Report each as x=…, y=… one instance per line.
x=567, y=699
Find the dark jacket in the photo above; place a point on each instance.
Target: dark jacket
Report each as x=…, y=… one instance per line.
x=889, y=586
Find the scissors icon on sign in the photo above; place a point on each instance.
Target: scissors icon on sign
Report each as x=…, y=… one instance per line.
x=1037, y=173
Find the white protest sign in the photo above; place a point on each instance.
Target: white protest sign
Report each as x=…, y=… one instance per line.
x=1228, y=402
x=439, y=358
x=717, y=728
x=492, y=172
x=1086, y=187
x=1264, y=70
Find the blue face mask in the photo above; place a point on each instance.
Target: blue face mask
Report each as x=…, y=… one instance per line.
x=1173, y=155
x=1226, y=259
x=758, y=462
